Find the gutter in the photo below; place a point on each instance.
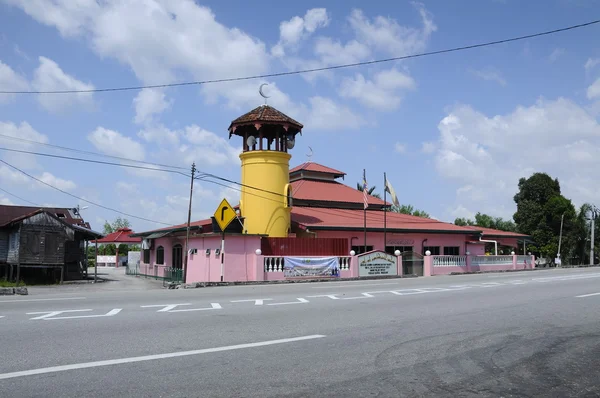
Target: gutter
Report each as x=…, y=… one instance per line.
x=495, y=242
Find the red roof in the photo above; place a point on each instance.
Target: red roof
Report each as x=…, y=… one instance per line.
x=121, y=235
x=265, y=114
x=353, y=219
x=199, y=223
x=497, y=232
x=329, y=191
x=317, y=168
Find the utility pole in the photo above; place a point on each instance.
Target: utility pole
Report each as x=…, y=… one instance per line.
x=592, y=237
x=187, y=233
x=562, y=218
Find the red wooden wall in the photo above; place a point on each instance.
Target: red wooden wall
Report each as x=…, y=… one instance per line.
x=304, y=247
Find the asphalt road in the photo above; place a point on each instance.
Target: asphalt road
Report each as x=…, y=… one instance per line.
x=526, y=334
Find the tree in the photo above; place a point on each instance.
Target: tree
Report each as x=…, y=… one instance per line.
x=370, y=191
x=540, y=207
x=117, y=224
x=410, y=210
x=487, y=221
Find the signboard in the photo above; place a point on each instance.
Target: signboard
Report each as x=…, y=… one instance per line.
x=377, y=264
x=400, y=242
x=294, y=267
x=224, y=214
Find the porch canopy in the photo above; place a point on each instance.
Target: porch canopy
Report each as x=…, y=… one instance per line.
x=121, y=236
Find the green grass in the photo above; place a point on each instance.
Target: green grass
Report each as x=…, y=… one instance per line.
x=5, y=283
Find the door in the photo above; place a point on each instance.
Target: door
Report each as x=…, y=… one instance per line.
x=412, y=264
x=177, y=256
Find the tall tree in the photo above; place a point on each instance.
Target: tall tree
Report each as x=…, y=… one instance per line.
x=409, y=209
x=370, y=191
x=115, y=225
x=540, y=208
x=487, y=221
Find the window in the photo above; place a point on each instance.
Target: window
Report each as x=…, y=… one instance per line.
x=403, y=249
x=146, y=256
x=451, y=250
x=177, y=258
x=160, y=255
x=435, y=250
x=61, y=215
x=361, y=249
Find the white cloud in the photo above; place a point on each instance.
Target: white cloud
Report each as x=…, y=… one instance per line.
x=296, y=29
x=556, y=54
x=5, y=201
x=400, y=148
x=591, y=63
x=65, y=185
x=10, y=81
x=112, y=142
x=191, y=43
x=381, y=93
x=326, y=114
x=489, y=75
x=50, y=77
x=461, y=212
x=20, y=132
x=149, y=102
x=207, y=148
x=593, y=91
x=486, y=156
x=428, y=147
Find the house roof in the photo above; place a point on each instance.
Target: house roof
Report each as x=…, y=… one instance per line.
x=121, y=235
x=329, y=191
x=349, y=219
x=86, y=231
x=67, y=215
x=497, y=233
x=317, y=168
x=265, y=114
x=175, y=228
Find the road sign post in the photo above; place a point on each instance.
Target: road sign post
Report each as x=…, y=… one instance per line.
x=224, y=215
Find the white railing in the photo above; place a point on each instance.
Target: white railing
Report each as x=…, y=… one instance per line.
x=273, y=264
x=491, y=260
x=449, y=261
x=344, y=263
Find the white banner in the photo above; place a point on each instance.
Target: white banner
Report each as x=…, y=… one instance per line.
x=310, y=266
x=107, y=259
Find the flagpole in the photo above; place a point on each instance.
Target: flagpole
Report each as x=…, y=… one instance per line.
x=384, y=212
x=365, y=208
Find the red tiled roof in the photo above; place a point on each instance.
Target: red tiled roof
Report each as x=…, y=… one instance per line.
x=353, y=219
x=265, y=114
x=120, y=236
x=199, y=223
x=317, y=168
x=497, y=232
x=329, y=191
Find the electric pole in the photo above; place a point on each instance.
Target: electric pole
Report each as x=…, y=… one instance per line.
x=187, y=233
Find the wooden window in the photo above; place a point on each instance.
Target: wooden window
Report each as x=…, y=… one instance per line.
x=160, y=255
x=451, y=250
x=146, y=256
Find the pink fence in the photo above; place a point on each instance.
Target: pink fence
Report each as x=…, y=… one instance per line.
x=444, y=265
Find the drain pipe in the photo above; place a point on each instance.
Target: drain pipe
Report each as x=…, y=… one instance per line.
x=495, y=242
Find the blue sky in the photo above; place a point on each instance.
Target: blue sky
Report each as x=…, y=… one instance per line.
x=454, y=132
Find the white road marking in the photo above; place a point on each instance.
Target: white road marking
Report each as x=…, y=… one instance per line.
x=588, y=295
x=110, y=362
x=300, y=301
x=331, y=296
x=335, y=296
x=407, y=292
x=112, y=312
x=334, y=285
x=48, y=299
x=166, y=307
x=1, y=316
x=256, y=301
x=49, y=314
x=364, y=295
x=213, y=306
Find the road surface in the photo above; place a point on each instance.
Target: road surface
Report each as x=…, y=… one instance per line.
x=519, y=334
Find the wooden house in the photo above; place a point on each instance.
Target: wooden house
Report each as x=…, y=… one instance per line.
x=41, y=240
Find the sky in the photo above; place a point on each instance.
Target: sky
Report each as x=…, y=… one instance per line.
x=454, y=132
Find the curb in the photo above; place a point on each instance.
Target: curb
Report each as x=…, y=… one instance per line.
x=9, y=291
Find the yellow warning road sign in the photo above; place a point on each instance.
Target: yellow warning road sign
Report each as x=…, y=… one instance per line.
x=224, y=214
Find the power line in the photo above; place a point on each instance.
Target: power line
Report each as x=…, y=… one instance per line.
x=302, y=71
x=80, y=198
x=91, y=152
x=18, y=197
x=91, y=161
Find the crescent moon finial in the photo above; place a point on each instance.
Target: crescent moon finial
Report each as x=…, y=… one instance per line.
x=262, y=94
x=310, y=155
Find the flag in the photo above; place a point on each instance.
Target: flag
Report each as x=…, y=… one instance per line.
x=365, y=189
x=388, y=188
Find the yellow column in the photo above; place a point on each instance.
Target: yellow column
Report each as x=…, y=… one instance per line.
x=265, y=210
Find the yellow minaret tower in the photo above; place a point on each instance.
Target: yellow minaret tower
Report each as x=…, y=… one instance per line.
x=265, y=202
